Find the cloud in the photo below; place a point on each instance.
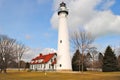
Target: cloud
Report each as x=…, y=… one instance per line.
x=106, y=4
x=104, y=23
x=93, y=15
x=32, y=53
x=48, y=50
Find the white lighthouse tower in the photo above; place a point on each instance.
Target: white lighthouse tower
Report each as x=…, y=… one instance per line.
x=63, y=55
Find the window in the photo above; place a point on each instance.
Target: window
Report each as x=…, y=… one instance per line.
x=34, y=66
x=51, y=60
x=54, y=59
x=44, y=66
x=49, y=66
x=31, y=66
x=60, y=41
x=40, y=65
x=60, y=65
x=40, y=60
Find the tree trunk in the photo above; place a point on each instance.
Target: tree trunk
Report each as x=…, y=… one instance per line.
x=3, y=70
x=18, y=65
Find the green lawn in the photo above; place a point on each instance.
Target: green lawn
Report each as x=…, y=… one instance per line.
x=23, y=75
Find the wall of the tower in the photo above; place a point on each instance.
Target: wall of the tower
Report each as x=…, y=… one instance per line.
x=63, y=55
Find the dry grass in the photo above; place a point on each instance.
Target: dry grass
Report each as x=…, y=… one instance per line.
x=23, y=75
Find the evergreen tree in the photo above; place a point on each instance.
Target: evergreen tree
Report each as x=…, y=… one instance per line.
x=76, y=62
x=109, y=61
x=119, y=62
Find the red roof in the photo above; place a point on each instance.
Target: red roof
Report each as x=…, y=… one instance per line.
x=45, y=58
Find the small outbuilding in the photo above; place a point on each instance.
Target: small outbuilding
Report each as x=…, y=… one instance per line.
x=44, y=62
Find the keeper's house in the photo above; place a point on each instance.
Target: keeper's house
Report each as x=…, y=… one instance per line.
x=44, y=62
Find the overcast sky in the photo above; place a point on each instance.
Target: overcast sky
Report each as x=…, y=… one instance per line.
x=35, y=22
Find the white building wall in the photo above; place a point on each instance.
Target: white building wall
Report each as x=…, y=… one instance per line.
x=63, y=55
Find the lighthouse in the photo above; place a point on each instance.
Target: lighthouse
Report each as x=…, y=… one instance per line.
x=63, y=54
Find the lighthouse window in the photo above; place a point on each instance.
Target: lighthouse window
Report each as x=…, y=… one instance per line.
x=60, y=65
x=60, y=41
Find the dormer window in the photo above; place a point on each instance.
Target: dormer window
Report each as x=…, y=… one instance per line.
x=41, y=60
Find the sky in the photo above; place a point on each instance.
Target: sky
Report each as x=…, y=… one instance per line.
x=35, y=22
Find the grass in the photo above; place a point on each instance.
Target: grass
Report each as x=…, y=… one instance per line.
x=23, y=75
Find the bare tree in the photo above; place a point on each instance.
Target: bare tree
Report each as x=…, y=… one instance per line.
x=10, y=51
x=6, y=52
x=93, y=51
x=81, y=40
x=88, y=59
x=100, y=59
x=20, y=49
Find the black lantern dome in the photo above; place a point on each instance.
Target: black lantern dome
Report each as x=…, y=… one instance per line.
x=62, y=4
x=62, y=8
